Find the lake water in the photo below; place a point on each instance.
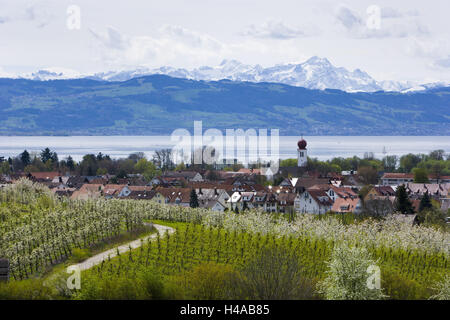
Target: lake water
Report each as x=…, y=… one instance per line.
x=321, y=147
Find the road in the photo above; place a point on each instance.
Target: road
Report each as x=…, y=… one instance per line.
x=97, y=259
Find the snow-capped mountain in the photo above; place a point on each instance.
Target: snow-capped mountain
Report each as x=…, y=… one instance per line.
x=315, y=73
x=52, y=74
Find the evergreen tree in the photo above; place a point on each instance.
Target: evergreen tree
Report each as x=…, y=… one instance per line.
x=46, y=155
x=193, y=203
x=425, y=202
x=70, y=163
x=25, y=158
x=403, y=204
x=54, y=157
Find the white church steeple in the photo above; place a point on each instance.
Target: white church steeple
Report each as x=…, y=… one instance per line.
x=302, y=153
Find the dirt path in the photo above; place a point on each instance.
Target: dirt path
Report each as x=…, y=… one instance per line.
x=97, y=259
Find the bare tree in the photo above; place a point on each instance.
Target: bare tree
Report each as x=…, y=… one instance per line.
x=163, y=159
x=368, y=175
x=377, y=208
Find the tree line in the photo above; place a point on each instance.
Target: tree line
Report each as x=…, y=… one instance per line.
x=436, y=163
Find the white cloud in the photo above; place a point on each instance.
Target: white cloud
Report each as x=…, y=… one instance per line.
x=444, y=63
x=38, y=14
x=393, y=24
x=165, y=47
x=437, y=51
x=278, y=30
x=348, y=18
x=389, y=12
x=111, y=39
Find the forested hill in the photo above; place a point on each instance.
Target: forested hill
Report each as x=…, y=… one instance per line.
x=159, y=104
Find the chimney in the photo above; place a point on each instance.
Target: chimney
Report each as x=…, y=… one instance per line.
x=215, y=191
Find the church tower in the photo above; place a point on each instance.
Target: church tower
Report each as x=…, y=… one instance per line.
x=302, y=153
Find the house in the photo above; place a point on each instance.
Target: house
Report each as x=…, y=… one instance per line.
x=187, y=175
x=168, y=181
x=76, y=181
x=347, y=205
x=380, y=192
x=88, y=191
x=238, y=199
x=215, y=194
x=141, y=195
x=127, y=190
x=160, y=195
x=303, y=183
x=173, y=196
x=286, y=202
x=434, y=190
x=43, y=176
x=60, y=180
x=114, y=191
x=266, y=201
x=335, y=192
x=313, y=201
x=213, y=205
x=136, y=179
x=394, y=179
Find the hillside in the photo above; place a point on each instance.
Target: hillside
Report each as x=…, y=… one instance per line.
x=159, y=104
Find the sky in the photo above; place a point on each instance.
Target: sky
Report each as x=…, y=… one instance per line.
x=391, y=40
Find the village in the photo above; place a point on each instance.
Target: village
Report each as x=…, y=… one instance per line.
x=295, y=189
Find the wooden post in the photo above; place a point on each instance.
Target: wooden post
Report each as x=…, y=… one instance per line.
x=4, y=270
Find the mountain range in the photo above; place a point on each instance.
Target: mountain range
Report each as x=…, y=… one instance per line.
x=158, y=104
x=315, y=73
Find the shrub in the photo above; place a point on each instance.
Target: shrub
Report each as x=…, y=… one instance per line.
x=274, y=274
x=208, y=281
x=31, y=289
x=152, y=283
x=399, y=287
x=111, y=288
x=347, y=276
x=443, y=289
x=146, y=283
x=58, y=286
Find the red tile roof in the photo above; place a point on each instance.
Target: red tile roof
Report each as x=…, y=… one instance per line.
x=45, y=175
x=320, y=197
x=342, y=205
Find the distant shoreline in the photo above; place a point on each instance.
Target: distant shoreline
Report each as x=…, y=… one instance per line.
x=168, y=135
x=321, y=147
